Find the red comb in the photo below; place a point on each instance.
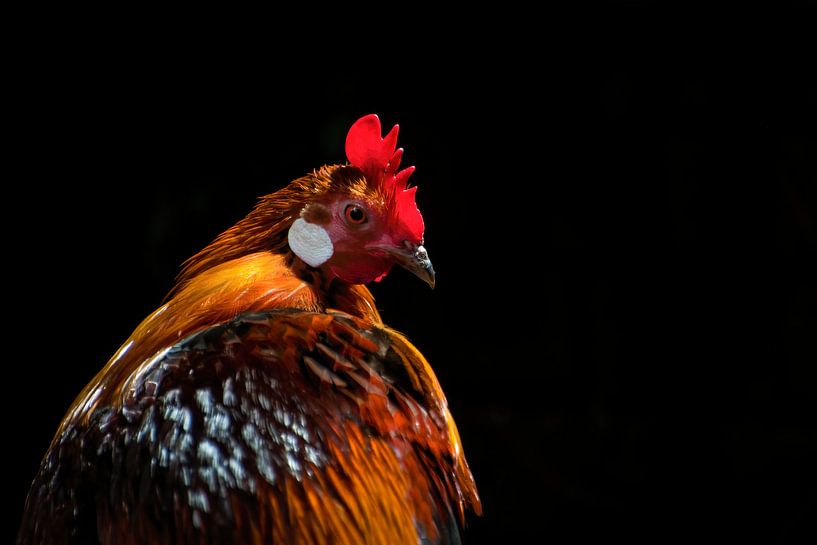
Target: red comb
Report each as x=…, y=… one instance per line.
x=377, y=158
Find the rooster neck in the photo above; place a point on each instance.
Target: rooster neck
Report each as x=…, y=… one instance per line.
x=253, y=283
x=323, y=286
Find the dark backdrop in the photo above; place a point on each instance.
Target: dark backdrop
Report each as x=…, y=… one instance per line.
x=623, y=228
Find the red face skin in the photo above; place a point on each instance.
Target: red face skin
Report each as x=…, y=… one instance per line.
x=359, y=231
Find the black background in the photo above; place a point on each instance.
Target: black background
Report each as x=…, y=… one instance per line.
x=622, y=213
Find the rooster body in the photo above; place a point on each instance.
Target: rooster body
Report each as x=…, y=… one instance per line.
x=266, y=401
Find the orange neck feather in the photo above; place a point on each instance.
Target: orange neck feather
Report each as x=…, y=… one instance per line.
x=251, y=283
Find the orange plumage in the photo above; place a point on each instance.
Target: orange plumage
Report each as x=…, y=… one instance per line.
x=265, y=401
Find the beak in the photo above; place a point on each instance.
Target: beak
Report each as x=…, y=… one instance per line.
x=414, y=259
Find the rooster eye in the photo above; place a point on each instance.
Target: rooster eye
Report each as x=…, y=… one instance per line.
x=355, y=214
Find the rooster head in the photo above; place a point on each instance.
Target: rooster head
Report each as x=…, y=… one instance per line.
x=351, y=222
x=365, y=218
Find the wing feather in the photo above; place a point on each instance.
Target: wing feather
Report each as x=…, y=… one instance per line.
x=279, y=426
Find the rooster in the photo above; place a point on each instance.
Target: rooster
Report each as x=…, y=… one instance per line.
x=266, y=401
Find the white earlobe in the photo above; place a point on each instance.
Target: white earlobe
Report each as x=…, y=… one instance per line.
x=310, y=242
